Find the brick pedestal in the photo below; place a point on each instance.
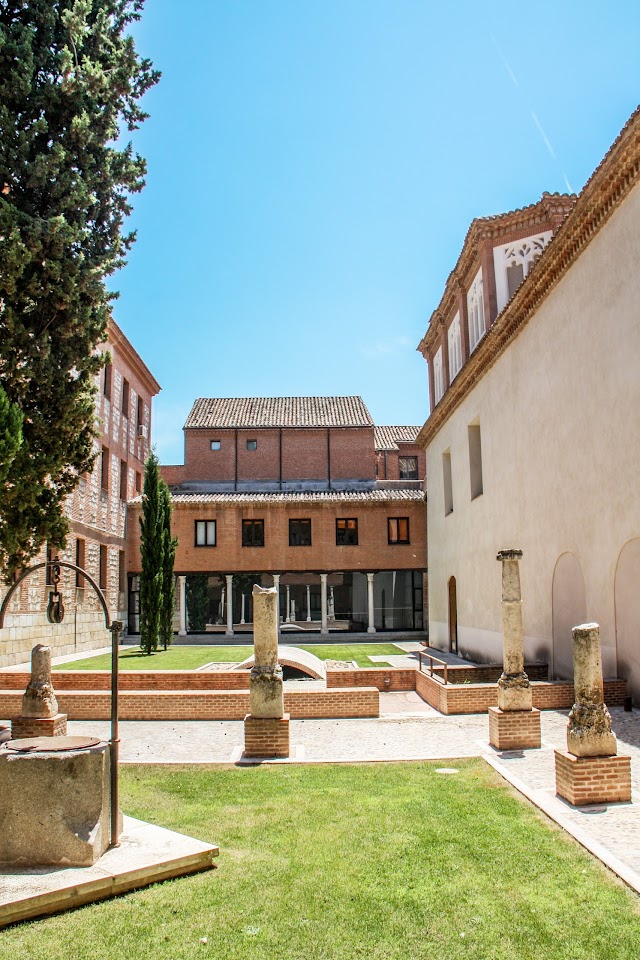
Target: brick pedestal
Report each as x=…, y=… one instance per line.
x=24, y=728
x=266, y=738
x=514, y=729
x=584, y=780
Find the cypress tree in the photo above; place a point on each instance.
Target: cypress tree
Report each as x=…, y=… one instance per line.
x=70, y=84
x=168, y=559
x=152, y=556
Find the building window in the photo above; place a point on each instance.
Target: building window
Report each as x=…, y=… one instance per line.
x=102, y=581
x=205, y=533
x=446, y=481
x=398, y=529
x=123, y=480
x=299, y=533
x=125, y=398
x=122, y=573
x=215, y=444
x=475, y=309
x=107, y=380
x=104, y=469
x=513, y=262
x=455, y=347
x=475, y=460
x=140, y=412
x=347, y=532
x=408, y=467
x=438, y=380
x=253, y=533
x=81, y=555
x=252, y=444
x=138, y=481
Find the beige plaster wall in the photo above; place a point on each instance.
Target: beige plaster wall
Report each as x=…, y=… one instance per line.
x=560, y=430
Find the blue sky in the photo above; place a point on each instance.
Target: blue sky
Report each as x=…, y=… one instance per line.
x=313, y=170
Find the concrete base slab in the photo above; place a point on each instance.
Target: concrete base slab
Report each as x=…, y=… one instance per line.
x=147, y=854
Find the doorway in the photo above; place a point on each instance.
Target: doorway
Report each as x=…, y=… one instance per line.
x=453, y=616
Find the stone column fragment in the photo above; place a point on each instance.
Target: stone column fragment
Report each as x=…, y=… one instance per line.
x=514, y=689
x=266, y=691
x=39, y=716
x=589, y=732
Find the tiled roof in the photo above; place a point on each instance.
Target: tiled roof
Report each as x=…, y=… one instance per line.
x=319, y=496
x=386, y=438
x=279, y=412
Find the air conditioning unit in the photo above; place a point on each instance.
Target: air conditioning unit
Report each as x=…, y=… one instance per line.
x=143, y=431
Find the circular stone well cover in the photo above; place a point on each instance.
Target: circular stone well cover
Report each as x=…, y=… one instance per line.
x=51, y=744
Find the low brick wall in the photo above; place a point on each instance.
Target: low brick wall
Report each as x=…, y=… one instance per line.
x=136, y=680
x=477, y=698
x=401, y=678
x=201, y=704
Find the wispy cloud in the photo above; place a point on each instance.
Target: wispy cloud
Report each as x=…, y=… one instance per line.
x=534, y=115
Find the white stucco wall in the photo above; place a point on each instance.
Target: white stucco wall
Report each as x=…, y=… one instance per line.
x=559, y=414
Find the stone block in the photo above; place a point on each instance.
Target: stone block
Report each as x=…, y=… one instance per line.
x=266, y=737
x=514, y=729
x=24, y=728
x=586, y=780
x=55, y=807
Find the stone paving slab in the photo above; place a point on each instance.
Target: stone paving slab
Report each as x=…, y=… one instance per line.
x=147, y=854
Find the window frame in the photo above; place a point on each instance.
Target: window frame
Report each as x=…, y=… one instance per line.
x=215, y=445
x=125, y=401
x=414, y=471
x=397, y=540
x=302, y=520
x=346, y=542
x=103, y=567
x=252, y=524
x=208, y=524
x=105, y=465
x=252, y=445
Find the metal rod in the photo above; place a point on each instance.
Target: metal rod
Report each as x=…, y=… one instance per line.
x=116, y=629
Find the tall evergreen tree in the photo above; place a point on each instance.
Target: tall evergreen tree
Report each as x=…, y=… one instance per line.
x=169, y=544
x=70, y=83
x=152, y=556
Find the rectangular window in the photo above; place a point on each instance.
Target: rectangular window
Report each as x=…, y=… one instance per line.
x=347, y=532
x=446, y=480
x=125, y=397
x=80, y=560
x=215, y=444
x=205, y=533
x=515, y=276
x=475, y=309
x=102, y=582
x=438, y=379
x=123, y=480
x=104, y=469
x=475, y=460
x=398, y=529
x=107, y=380
x=138, y=482
x=408, y=468
x=252, y=444
x=299, y=533
x=122, y=572
x=253, y=533
x=140, y=412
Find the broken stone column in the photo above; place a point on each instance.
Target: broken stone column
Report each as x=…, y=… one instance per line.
x=266, y=728
x=39, y=716
x=590, y=771
x=514, y=724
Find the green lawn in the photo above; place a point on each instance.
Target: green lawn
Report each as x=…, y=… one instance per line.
x=190, y=658
x=338, y=862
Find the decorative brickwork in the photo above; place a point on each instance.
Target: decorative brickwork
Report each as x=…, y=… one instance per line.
x=514, y=729
x=585, y=780
x=266, y=737
x=23, y=728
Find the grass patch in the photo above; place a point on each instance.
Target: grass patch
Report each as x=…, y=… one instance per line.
x=190, y=658
x=338, y=862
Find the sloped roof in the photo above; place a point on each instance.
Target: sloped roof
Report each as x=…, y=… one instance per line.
x=279, y=412
x=308, y=496
x=386, y=438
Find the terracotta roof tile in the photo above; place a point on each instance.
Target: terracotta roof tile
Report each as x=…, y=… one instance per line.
x=218, y=412
x=386, y=438
x=319, y=496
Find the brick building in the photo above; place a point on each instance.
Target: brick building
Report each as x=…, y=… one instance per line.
x=98, y=513
x=306, y=493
